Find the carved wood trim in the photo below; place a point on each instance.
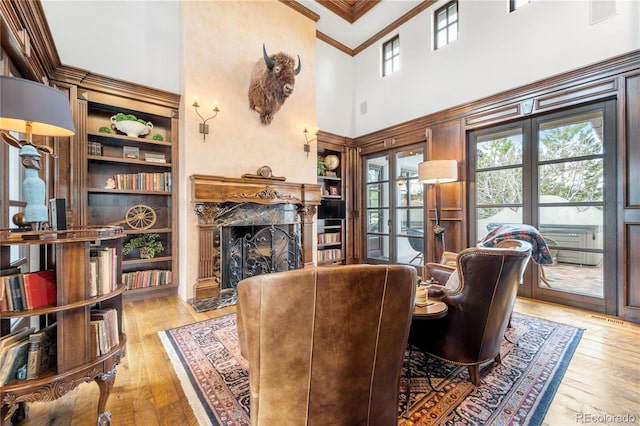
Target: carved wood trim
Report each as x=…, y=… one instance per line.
x=47, y=388
x=219, y=189
x=572, y=95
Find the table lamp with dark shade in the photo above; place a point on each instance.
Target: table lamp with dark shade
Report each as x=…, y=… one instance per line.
x=32, y=108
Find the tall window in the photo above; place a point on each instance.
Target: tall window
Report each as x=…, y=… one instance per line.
x=391, y=56
x=553, y=172
x=446, y=24
x=516, y=4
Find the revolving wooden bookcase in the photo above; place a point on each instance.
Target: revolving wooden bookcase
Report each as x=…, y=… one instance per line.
x=68, y=252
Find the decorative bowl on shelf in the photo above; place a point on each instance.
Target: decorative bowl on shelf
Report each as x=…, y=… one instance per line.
x=132, y=128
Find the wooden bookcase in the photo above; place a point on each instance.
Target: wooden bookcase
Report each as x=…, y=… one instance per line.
x=68, y=253
x=331, y=212
x=145, y=197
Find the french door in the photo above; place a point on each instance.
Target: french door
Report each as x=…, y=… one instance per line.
x=554, y=172
x=394, y=206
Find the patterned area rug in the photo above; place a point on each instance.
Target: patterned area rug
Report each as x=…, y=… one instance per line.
x=215, y=377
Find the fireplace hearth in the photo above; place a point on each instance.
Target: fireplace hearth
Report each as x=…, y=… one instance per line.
x=249, y=227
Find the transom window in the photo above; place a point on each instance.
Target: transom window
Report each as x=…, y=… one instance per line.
x=446, y=24
x=391, y=56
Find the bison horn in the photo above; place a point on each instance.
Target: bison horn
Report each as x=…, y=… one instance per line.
x=270, y=63
x=299, y=68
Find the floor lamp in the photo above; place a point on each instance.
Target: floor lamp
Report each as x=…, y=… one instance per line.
x=32, y=108
x=437, y=172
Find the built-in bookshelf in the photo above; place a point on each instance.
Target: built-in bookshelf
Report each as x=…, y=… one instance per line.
x=46, y=348
x=130, y=178
x=332, y=209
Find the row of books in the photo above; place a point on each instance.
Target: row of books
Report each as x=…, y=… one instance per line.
x=95, y=148
x=329, y=238
x=144, y=279
x=19, y=292
x=325, y=255
x=103, y=272
x=27, y=353
x=104, y=331
x=144, y=181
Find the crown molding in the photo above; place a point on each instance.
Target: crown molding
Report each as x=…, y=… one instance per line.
x=350, y=11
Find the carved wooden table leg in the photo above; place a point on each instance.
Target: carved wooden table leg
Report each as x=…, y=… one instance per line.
x=105, y=382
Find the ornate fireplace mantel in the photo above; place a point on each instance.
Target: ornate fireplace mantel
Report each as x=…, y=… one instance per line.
x=216, y=196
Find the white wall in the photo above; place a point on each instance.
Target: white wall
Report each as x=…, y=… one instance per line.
x=334, y=88
x=496, y=51
x=136, y=41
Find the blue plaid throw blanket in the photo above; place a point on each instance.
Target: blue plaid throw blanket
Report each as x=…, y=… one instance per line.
x=539, y=249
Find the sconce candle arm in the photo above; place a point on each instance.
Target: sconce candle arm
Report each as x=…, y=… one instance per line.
x=307, y=146
x=204, y=127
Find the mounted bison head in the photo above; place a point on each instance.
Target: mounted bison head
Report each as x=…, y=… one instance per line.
x=272, y=82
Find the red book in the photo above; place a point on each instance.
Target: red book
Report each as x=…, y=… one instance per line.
x=40, y=288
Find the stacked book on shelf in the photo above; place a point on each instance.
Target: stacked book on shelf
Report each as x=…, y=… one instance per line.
x=27, y=353
x=144, y=279
x=19, y=292
x=153, y=157
x=102, y=270
x=331, y=254
x=42, y=351
x=94, y=148
x=329, y=238
x=144, y=181
x=104, y=331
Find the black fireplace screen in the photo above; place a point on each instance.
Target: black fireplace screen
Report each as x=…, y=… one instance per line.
x=256, y=250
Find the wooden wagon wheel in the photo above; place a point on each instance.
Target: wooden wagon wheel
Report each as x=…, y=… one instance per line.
x=140, y=217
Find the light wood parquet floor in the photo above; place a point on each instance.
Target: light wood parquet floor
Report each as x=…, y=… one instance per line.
x=603, y=378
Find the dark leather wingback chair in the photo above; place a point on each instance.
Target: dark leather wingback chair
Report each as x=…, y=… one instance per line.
x=479, y=309
x=326, y=345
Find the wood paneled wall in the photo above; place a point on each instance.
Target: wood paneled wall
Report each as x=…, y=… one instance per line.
x=629, y=188
x=444, y=134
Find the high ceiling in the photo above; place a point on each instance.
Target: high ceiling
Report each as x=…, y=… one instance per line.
x=353, y=22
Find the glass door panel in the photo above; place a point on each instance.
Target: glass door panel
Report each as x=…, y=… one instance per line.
x=409, y=208
x=571, y=202
x=377, y=205
x=394, y=205
x=499, y=191
x=549, y=171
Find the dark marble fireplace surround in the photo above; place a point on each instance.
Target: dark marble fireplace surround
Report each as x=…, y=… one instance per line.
x=231, y=208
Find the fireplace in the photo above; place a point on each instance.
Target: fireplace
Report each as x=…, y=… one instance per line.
x=254, y=250
x=249, y=226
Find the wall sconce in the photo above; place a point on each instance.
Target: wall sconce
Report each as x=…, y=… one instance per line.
x=307, y=146
x=34, y=109
x=204, y=127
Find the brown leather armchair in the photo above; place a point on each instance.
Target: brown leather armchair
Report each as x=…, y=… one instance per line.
x=326, y=345
x=479, y=310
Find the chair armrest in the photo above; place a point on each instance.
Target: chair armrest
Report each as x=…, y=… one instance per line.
x=436, y=291
x=439, y=275
x=449, y=258
x=438, y=272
